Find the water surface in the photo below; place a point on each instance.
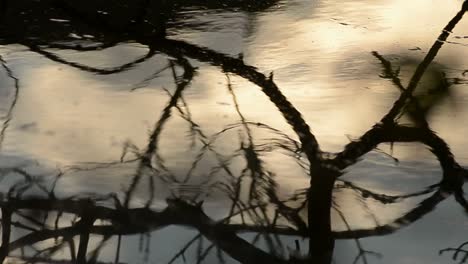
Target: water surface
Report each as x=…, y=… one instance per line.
x=150, y=119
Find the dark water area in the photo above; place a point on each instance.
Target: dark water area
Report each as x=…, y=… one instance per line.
x=233, y=131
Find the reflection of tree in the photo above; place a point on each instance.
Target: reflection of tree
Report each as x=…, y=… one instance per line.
x=256, y=206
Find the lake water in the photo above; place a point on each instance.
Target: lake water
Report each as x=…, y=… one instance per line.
x=97, y=115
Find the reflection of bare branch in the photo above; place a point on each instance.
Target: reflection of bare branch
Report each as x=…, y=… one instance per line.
x=9, y=115
x=383, y=198
x=418, y=113
x=373, y=137
x=236, y=106
x=460, y=198
x=52, y=261
x=6, y=232
x=415, y=214
x=182, y=250
x=388, y=132
x=145, y=160
x=422, y=67
x=362, y=252
x=131, y=221
x=102, y=71
x=457, y=252
x=453, y=173
x=237, y=66
x=134, y=221
x=322, y=176
x=388, y=71
x=412, y=216
x=145, y=82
